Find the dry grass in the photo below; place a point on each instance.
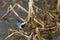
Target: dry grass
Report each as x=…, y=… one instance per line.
x=36, y=27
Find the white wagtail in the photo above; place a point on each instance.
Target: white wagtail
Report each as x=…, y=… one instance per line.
x=20, y=24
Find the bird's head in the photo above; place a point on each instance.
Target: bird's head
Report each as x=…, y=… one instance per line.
x=17, y=20
x=20, y=24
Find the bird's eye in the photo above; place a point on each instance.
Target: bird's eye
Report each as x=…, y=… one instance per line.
x=23, y=26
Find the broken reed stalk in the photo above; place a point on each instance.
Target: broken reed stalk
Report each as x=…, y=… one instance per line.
x=16, y=13
x=23, y=9
x=19, y=6
x=30, y=8
x=9, y=36
x=6, y=14
x=18, y=32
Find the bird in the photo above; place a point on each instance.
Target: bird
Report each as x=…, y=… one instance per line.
x=20, y=24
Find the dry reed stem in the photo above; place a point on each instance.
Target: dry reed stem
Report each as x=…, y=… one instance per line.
x=16, y=13
x=14, y=7
x=19, y=32
x=23, y=9
x=39, y=23
x=6, y=14
x=9, y=36
x=58, y=5
x=30, y=9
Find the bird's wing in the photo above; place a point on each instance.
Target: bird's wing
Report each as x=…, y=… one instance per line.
x=18, y=24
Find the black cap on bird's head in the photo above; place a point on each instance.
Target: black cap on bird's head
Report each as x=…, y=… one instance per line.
x=17, y=20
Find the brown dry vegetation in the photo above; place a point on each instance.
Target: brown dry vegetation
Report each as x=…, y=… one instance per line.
x=39, y=27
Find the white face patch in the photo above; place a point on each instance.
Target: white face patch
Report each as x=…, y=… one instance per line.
x=20, y=24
